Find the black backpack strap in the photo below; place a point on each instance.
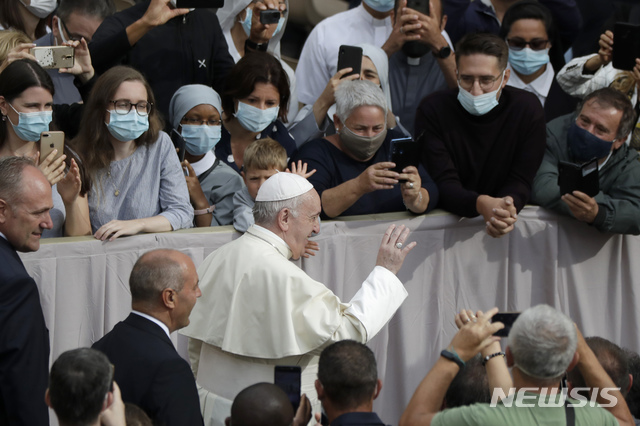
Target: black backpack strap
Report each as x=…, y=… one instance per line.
x=569, y=412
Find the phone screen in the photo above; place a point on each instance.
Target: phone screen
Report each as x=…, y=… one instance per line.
x=507, y=318
x=287, y=378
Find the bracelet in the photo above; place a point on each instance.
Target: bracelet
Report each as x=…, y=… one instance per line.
x=452, y=355
x=208, y=210
x=252, y=45
x=488, y=357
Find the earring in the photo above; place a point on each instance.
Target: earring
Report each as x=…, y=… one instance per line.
x=4, y=117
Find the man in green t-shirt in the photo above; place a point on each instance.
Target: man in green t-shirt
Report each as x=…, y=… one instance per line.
x=543, y=345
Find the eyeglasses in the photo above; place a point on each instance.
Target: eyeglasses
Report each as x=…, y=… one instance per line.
x=73, y=37
x=535, y=44
x=196, y=122
x=486, y=81
x=123, y=107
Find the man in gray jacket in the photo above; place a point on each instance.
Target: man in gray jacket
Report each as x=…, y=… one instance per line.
x=604, y=120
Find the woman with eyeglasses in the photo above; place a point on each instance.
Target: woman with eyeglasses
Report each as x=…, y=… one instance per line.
x=138, y=184
x=194, y=112
x=529, y=31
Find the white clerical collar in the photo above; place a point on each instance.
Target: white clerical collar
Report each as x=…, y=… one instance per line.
x=488, y=3
x=266, y=233
x=369, y=18
x=204, y=163
x=152, y=319
x=539, y=87
x=3, y=236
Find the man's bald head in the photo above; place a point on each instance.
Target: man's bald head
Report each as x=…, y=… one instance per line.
x=155, y=271
x=261, y=404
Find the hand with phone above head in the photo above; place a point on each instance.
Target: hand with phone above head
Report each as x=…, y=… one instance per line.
x=474, y=335
x=266, y=16
x=328, y=95
x=303, y=413
x=403, y=26
x=604, y=56
x=428, y=26
x=82, y=67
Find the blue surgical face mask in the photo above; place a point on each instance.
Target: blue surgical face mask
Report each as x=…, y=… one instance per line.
x=481, y=104
x=127, y=127
x=380, y=5
x=246, y=24
x=584, y=146
x=31, y=124
x=527, y=61
x=200, y=139
x=255, y=119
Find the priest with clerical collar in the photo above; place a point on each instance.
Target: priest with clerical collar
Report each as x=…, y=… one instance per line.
x=259, y=310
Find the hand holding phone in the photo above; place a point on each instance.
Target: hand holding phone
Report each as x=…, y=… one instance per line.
x=626, y=45
x=179, y=144
x=269, y=16
x=50, y=141
x=54, y=57
x=404, y=152
x=574, y=177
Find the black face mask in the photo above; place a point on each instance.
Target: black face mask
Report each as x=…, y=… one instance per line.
x=584, y=146
x=415, y=49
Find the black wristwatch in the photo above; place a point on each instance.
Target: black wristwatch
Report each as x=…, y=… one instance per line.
x=442, y=53
x=453, y=357
x=260, y=47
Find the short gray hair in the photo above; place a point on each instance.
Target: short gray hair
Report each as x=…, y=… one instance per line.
x=99, y=9
x=154, y=272
x=543, y=341
x=11, y=169
x=354, y=94
x=266, y=212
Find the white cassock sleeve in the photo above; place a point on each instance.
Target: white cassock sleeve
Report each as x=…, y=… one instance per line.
x=378, y=299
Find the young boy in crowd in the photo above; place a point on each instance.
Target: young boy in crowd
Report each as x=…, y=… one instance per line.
x=262, y=159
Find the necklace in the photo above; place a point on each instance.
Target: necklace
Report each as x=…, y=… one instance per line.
x=116, y=191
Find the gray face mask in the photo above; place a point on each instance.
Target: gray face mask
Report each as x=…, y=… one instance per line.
x=362, y=147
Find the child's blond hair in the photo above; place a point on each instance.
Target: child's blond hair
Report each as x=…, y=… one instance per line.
x=265, y=154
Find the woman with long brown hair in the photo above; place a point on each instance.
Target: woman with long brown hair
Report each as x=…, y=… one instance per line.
x=138, y=184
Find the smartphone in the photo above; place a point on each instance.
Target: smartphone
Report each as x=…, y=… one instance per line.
x=270, y=16
x=421, y=6
x=350, y=57
x=52, y=57
x=196, y=4
x=574, y=177
x=179, y=144
x=50, y=141
x=287, y=378
x=507, y=318
x=404, y=152
x=626, y=46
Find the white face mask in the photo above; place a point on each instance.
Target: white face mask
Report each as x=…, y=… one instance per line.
x=40, y=8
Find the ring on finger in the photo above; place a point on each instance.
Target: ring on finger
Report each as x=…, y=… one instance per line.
x=467, y=320
x=401, y=30
x=399, y=246
x=410, y=185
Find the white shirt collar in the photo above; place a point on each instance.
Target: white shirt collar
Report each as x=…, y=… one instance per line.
x=539, y=87
x=155, y=320
x=3, y=236
x=488, y=3
x=366, y=16
x=204, y=163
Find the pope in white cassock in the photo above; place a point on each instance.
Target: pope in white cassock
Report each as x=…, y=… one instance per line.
x=259, y=310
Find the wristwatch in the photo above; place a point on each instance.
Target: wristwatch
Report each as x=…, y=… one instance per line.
x=451, y=356
x=260, y=47
x=442, y=53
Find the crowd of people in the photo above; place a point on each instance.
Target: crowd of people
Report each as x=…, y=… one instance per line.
x=176, y=117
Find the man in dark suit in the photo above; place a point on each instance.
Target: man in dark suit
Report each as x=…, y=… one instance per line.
x=151, y=374
x=25, y=201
